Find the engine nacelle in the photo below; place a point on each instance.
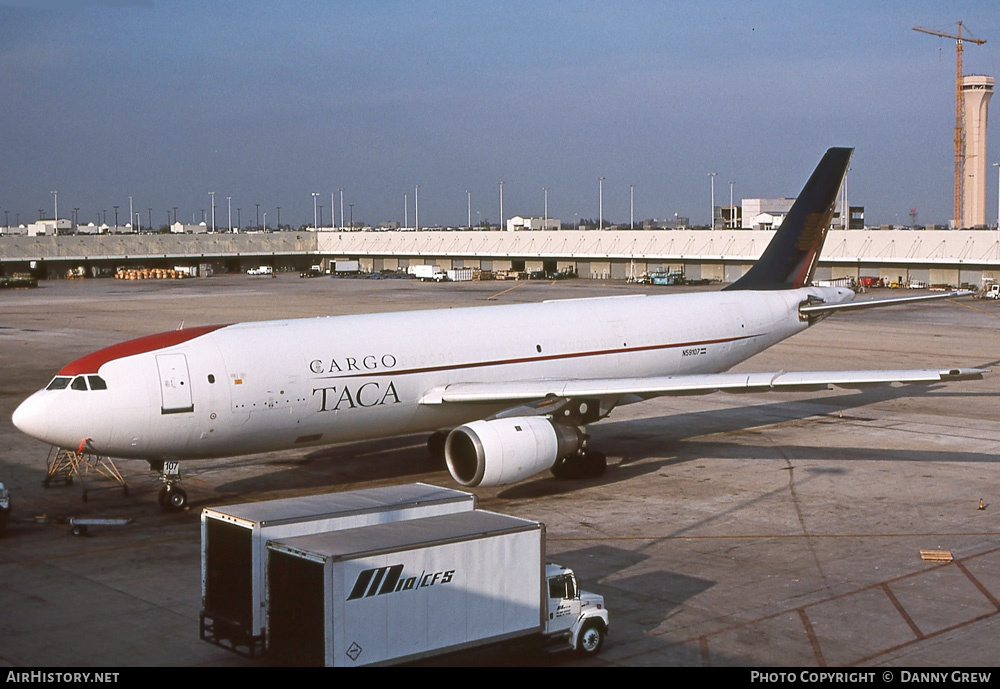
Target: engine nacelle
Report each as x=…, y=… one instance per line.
x=507, y=450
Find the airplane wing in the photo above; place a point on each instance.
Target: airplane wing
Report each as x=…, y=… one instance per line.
x=697, y=384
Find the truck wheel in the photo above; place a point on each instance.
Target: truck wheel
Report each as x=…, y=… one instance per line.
x=591, y=639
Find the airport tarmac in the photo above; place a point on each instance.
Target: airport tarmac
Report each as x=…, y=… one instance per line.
x=729, y=530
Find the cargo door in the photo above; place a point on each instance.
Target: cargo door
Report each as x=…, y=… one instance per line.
x=175, y=384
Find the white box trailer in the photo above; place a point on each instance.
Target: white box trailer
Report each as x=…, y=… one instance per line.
x=395, y=592
x=234, y=538
x=460, y=274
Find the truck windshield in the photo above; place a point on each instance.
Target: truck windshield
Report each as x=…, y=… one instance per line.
x=563, y=586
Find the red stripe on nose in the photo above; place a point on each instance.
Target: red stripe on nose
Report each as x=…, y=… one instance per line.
x=93, y=361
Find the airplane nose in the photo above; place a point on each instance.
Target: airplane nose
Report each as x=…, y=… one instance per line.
x=30, y=417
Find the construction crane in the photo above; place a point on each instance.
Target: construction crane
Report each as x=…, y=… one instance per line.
x=959, y=114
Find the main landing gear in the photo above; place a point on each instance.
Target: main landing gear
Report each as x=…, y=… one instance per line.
x=583, y=463
x=171, y=496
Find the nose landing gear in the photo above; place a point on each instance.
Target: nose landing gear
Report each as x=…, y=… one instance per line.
x=171, y=496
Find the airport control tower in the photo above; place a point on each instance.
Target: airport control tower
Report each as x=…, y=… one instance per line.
x=976, y=91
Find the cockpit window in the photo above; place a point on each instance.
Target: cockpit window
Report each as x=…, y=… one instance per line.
x=59, y=383
x=97, y=383
x=79, y=383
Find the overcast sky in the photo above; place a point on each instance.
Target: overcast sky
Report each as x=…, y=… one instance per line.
x=268, y=102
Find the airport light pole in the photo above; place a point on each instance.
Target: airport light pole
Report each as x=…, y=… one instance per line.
x=600, y=203
x=239, y=218
x=997, y=166
x=501, y=206
x=229, y=202
x=131, y=215
x=631, y=206
x=545, y=218
x=341, y=190
x=845, y=210
x=212, y=194
x=55, y=197
x=732, y=211
x=315, y=215
x=149, y=215
x=265, y=222
x=333, y=211
x=416, y=207
x=468, y=203
x=116, y=218
x=406, y=209
x=278, y=224
x=711, y=222
x=257, y=226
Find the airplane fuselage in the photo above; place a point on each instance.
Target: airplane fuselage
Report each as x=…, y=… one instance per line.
x=261, y=386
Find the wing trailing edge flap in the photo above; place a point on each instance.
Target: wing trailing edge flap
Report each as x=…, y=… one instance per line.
x=635, y=389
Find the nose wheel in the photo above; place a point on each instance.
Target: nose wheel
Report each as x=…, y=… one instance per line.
x=171, y=496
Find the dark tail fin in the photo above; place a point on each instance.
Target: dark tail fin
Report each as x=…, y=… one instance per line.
x=789, y=260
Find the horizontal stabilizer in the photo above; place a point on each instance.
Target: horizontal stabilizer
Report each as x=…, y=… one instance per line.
x=698, y=384
x=823, y=309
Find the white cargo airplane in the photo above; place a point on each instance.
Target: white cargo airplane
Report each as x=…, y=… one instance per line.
x=507, y=394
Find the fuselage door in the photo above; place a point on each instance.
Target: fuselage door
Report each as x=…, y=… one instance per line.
x=175, y=384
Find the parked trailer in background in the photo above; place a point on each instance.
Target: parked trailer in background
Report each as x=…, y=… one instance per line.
x=395, y=592
x=460, y=274
x=234, y=538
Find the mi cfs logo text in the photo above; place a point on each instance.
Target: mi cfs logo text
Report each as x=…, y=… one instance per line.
x=383, y=580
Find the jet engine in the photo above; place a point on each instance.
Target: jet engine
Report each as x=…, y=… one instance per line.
x=502, y=451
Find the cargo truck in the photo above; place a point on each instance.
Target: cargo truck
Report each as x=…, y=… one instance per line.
x=425, y=273
x=390, y=593
x=234, y=537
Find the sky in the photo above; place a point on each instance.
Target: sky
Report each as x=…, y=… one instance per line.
x=269, y=102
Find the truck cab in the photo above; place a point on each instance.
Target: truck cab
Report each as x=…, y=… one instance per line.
x=578, y=617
